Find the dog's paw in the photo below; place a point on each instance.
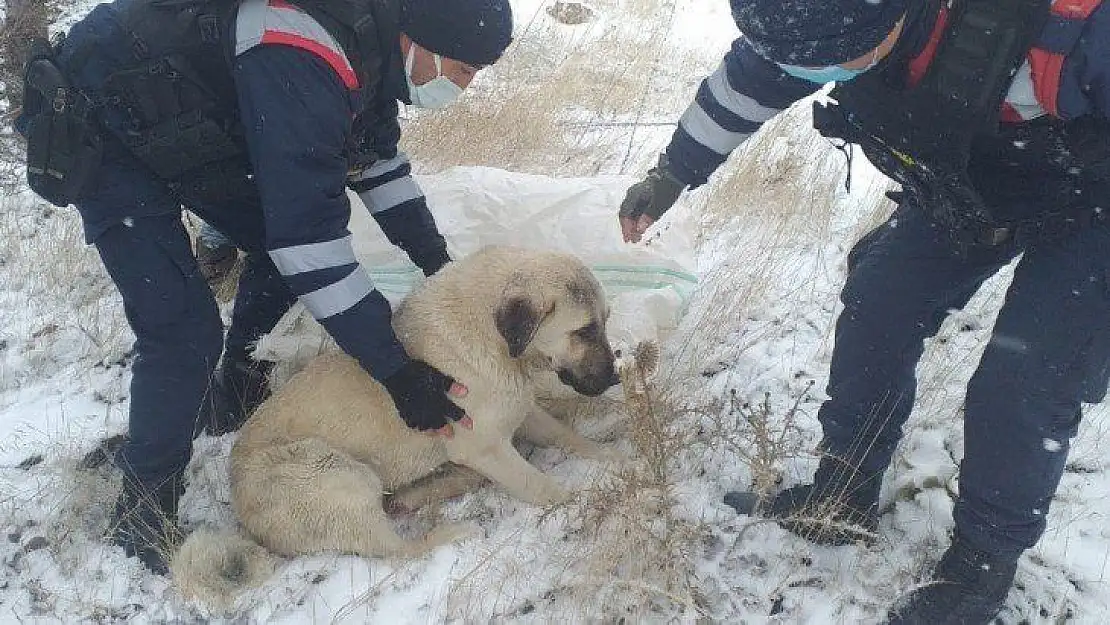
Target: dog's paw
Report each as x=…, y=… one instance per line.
x=456, y=532
x=552, y=496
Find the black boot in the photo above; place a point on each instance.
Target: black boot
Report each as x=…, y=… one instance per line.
x=239, y=386
x=969, y=587
x=105, y=453
x=144, y=522
x=840, y=507
x=825, y=516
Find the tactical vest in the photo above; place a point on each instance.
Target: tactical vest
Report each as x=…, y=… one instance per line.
x=938, y=123
x=179, y=93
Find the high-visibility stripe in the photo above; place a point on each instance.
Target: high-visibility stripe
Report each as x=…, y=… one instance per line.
x=741, y=105
x=391, y=194
x=297, y=259
x=381, y=168
x=703, y=129
x=339, y=296
x=278, y=22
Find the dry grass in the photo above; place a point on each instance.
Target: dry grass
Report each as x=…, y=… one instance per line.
x=640, y=556
x=567, y=101
x=625, y=554
x=44, y=258
x=767, y=223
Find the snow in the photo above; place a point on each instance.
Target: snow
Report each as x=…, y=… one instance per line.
x=758, y=328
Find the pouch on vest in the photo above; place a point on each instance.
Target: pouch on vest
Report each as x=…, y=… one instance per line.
x=174, y=125
x=64, y=147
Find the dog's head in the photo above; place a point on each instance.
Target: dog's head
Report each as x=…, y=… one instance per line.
x=554, y=307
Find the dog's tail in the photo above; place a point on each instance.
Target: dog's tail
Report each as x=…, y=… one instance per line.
x=214, y=567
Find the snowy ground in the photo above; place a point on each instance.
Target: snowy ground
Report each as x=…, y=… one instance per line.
x=653, y=544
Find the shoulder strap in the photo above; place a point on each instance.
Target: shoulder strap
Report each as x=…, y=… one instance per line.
x=278, y=22
x=370, y=31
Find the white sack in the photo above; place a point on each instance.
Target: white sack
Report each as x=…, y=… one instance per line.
x=648, y=285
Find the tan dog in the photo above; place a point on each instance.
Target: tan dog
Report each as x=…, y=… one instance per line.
x=310, y=467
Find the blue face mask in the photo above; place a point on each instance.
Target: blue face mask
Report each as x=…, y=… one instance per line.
x=822, y=75
x=832, y=73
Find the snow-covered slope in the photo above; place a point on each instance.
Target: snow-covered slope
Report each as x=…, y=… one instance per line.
x=651, y=543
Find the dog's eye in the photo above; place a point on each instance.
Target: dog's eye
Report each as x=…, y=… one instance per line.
x=590, y=331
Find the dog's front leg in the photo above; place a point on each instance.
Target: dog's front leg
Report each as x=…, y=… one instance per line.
x=543, y=429
x=500, y=462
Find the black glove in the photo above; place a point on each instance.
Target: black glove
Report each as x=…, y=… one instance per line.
x=653, y=195
x=420, y=393
x=431, y=262
x=412, y=228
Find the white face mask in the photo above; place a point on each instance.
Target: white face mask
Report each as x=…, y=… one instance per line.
x=437, y=92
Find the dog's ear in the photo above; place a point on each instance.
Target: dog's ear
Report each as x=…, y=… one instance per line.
x=517, y=320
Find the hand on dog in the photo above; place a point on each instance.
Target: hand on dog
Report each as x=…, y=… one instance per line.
x=420, y=393
x=448, y=431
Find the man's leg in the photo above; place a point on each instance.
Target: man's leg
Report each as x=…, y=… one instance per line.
x=1049, y=352
x=903, y=278
x=136, y=227
x=262, y=298
x=178, y=336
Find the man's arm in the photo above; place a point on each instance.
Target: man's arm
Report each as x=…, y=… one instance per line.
x=297, y=114
x=394, y=199
x=731, y=104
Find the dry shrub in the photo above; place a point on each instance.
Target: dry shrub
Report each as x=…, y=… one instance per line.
x=760, y=439
x=617, y=552
x=570, y=13
x=641, y=555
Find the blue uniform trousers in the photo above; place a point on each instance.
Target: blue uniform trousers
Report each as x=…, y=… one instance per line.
x=135, y=223
x=1049, y=351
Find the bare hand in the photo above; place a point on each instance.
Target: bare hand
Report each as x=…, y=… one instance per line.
x=633, y=228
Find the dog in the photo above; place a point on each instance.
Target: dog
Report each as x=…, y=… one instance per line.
x=311, y=465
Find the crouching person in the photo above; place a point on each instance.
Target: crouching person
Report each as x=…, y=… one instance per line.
x=255, y=115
